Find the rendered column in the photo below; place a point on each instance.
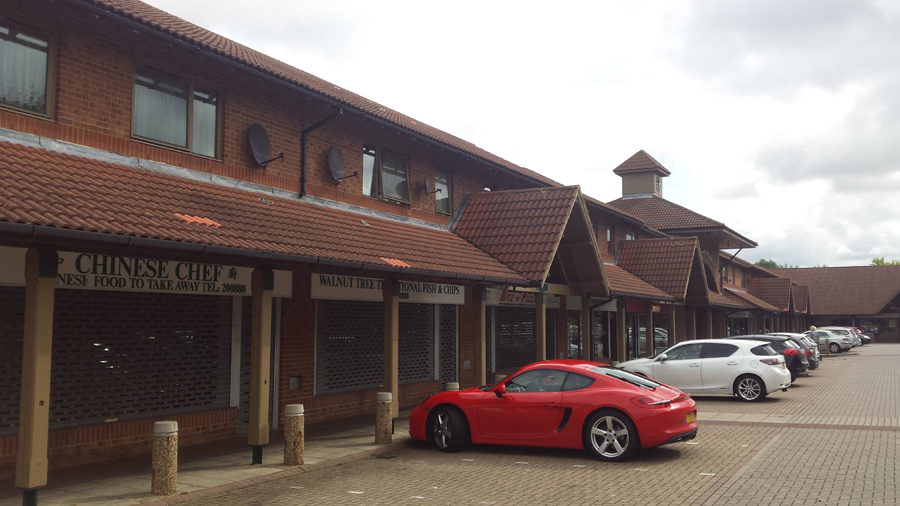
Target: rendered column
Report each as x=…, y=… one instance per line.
x=294, y=438
x=540, y=327
x=391, y=291
x=620, y=331
x=587, y=341
x=671, y=327
x=651, y=330
x=164, y=468
x=262, y=283
x=479, y=347
x=34, y=406
x=384, y=418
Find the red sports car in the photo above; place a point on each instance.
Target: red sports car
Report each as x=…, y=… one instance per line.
x=562, y=404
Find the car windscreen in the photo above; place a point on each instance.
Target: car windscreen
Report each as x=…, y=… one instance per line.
x=840, y=332
x=792, y=344
x=626, y=376
x=763, y=350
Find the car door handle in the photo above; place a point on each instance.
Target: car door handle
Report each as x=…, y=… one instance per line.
x=732, y=363
x=551, y=405
x=694, y=365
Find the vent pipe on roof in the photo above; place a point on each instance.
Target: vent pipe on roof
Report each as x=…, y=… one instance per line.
x=303, y=148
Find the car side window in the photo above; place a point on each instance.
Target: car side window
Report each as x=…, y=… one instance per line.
x=537, y=380
x=718, y=350
x=576, y=382
x=686, y=352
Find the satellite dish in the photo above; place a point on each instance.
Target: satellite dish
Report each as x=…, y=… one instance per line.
x=337, y=166
x=427, y=186
x=259, y=144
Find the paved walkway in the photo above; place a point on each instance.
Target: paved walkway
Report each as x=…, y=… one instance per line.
x=206, y=469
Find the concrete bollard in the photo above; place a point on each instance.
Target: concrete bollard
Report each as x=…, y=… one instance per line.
x=383, y=420
x=451, y=387
x=164, y=476
x=293, y=435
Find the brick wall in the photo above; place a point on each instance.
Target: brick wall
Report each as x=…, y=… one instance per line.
x=82, y=445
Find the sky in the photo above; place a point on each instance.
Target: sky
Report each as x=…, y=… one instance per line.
x=780, y=119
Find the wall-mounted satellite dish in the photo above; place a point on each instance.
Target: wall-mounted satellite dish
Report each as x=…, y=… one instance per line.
x=427, y=188
x=336, y=165
x=259, y=144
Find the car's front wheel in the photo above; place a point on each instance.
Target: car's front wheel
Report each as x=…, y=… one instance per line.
x=610, y=436
x=749, y=388
x=449, y=429
x=834, y=347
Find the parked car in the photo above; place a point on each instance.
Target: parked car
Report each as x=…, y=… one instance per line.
x=845, y=331
x=748, y=369
x=563, y=404
x=836, y=342
x=863, y=338
x=807, y=346
x=796, y=361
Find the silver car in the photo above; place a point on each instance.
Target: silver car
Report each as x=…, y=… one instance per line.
x=836, y=342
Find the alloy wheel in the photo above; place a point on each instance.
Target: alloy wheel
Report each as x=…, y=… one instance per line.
x=610, y=437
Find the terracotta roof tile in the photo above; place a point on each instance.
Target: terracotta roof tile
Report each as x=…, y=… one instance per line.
x=662, y=214
x=801, y=298
x=860, y=290
x=775, y=291
x=51, y=189
x=752, y=302
x=176, y=27
x=640, y=162
x=622, y=282
x=664, y=263
x=723, y=300
x=521, y=228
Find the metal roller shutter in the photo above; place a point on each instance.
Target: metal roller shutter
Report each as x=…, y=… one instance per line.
x=449, y=363
x=416, y=343
x=551, y=335
x=125, y=356
x=514, y=338
x=349, y=345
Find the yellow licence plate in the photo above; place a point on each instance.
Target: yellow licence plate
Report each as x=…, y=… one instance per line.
x=691, y=417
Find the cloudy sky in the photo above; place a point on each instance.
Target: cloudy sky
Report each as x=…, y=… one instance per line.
x=779, y=118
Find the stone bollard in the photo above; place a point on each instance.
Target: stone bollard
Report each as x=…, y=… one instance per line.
x=383, y=418
x=451, y=387
x=165, y=458
x=293, y=435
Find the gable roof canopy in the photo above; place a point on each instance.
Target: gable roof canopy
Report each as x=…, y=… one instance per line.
x=146, y=18
x=535, y=230
x=641, y=162
x=71, y=201
x=673, y=265
x=775, y=291
x=624, y=284
x=751, y=301
x=801, y=298
x=723, y=300
x=860, y=290
x=673, y=219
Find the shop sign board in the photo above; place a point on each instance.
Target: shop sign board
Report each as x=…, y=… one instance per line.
x=342, y=287
x=96, y=271
x=501, y=297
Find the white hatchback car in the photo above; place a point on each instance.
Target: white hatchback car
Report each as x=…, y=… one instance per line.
x=748, y=369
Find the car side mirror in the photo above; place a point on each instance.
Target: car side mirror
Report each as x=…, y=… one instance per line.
x=501, y=390
x=663, y=358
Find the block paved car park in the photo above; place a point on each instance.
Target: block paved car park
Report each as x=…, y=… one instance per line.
x=825, y=441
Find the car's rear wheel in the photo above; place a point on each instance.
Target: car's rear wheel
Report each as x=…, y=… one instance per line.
x=449, y=429
x=610, y=436
x=749, y=388
x=834, y=347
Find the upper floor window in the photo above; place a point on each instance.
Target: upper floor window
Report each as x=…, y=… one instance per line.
x=442, y=195
x=610, y=241
x=24, y=69
x=630, y=236
x=384, y=174
x=175, y=112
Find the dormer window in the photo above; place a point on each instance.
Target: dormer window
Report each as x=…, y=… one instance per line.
x=384, y=175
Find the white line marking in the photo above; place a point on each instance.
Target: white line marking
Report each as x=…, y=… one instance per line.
x=295, y=487
x=523, y=463
x=578, y=465
x=354, y=492
x=468, y=460
x=416, y=497
x=641, y=469
x=707, y=474
x=691, y=443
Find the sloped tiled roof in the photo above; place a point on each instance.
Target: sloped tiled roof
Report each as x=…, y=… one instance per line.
x=51, y=189
x=721, y=300
x=622, y=282
x=664, y=263
x=801, y=298
x=752, y=302
x=728, y=256
x=662, y=214
x=521, y=228
x=860, y=290
x=775, y=291
x=640, y=162
x=173, y=26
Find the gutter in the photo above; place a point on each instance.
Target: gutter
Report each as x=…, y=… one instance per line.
x=173, y=40
x=52, y=236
